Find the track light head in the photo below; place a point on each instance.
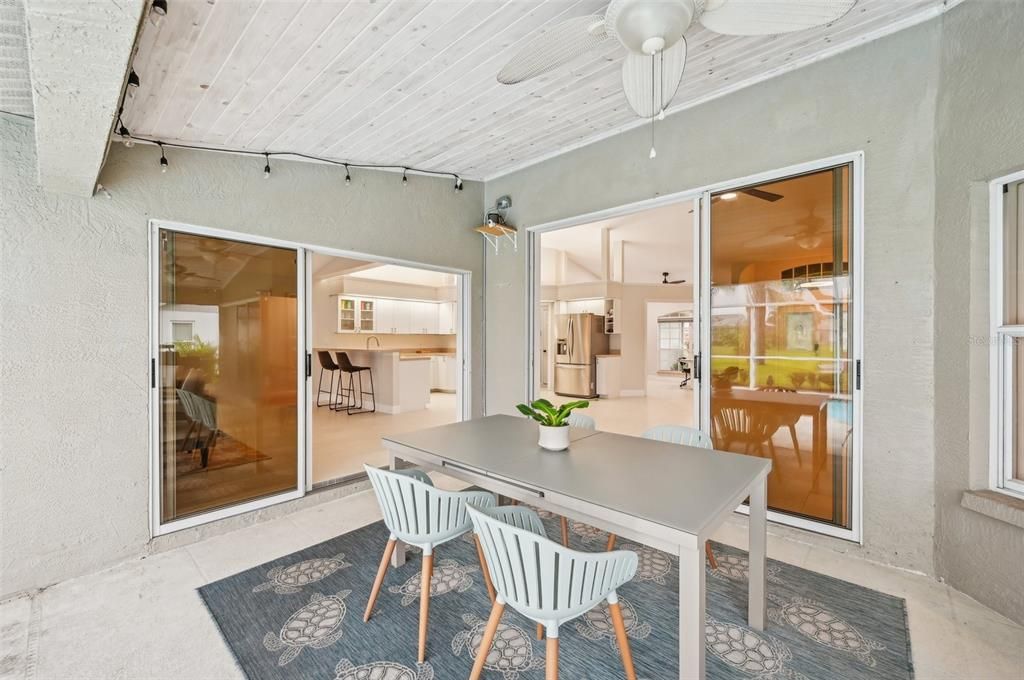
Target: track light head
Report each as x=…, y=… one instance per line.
x=133, y=79
x=159, y=7
x=266, y=168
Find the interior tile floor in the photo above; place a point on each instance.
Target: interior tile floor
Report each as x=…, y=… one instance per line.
x=144, y=618
x=343, y=443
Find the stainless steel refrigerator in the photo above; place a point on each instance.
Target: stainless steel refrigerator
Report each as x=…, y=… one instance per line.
x=580, y=339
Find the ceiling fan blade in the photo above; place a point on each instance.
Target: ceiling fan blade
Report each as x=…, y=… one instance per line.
x=763, y=195
x=770, y=17
x=555, y=46
x=642, y=74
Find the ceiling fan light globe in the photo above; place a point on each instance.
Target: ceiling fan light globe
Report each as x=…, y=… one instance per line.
x=635, y=22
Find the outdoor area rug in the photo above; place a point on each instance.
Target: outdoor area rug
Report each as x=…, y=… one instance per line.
x=300, y=616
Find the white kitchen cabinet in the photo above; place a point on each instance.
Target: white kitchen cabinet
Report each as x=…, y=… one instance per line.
x=447, y=318
x=609, y=376
x=442, y=374
x=356, y=315
x=424, y=317
x=384, y=316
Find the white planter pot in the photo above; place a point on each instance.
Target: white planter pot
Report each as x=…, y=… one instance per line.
x=554, y=438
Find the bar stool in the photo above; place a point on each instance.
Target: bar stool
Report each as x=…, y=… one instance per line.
x=326, y=364
x=351, y=407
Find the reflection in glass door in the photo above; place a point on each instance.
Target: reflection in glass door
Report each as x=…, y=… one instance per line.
x=227, y=372
x=781, y=378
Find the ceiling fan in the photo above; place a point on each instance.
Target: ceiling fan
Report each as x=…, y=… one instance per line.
x=652, y=33
x=664, y=279
x=769, y=196
x=812, y=234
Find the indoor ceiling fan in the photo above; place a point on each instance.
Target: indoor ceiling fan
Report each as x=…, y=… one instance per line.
x=811, y=235
x=652, y=33
x=664, y=279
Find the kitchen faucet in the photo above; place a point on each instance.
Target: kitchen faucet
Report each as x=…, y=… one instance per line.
x=372, y=337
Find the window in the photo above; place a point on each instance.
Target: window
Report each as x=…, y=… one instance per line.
x=1008, y=337
x=670, y=345
x=182, y=331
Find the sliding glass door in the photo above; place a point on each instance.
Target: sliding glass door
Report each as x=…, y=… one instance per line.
x=779, y=361
x=226, y=373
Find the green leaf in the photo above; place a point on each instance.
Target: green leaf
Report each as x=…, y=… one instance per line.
x=527, y=411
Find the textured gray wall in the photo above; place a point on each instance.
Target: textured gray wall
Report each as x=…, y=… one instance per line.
x=879, y=99
x=980, y=137
x=74, y=492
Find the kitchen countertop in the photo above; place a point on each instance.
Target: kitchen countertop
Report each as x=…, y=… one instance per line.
x=404, y=353
x=608, y=356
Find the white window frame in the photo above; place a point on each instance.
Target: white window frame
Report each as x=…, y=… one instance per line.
x=182, y=322
x=1002, y=338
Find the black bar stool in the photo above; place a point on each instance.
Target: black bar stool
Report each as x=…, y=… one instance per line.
x=326, y=364
x=351, y=406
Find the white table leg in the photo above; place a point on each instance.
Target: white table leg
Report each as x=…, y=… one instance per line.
x=398, y=555
x=691, y=613
x=758, y=548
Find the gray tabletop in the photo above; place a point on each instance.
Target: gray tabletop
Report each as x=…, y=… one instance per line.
x=681, y=487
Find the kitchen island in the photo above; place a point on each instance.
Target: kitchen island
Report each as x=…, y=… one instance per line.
x=401, y=376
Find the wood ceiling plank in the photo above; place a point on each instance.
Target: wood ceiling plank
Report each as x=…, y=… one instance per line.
x=461, y=97
x=314, y=21
x=164, y=62
x=424, y=107
x=435, y=54
x=419, y=41
x=400, y=16
x=271, y=21
x=221, y=34
x=284, y=81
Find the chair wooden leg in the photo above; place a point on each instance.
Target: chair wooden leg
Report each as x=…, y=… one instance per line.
x=711, y=555
x=483, y=567
x=540, y=631
x=796, y=445
x=488, y=638
x=611, y=543
x=551, y=666
x=428, y=571
x=620, y=635
x=565, y=532
x=381, y=571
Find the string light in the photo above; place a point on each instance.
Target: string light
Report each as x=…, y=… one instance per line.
x=133, y=80
x=160, y=7
x=266, y=168
x=405, y=180
x=348, y=177
x=163, y=158
x=458, y=183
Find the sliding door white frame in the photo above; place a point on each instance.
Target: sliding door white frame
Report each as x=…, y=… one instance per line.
x=463, y=358
x=702, y=302
x=856, y=163
x=156, y=485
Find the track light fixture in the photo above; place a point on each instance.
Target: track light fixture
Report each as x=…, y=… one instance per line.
x=133, y=80
x=266, y=168
x=163, y=158
x=348, y=177
x=160, y=7
x=405, y=179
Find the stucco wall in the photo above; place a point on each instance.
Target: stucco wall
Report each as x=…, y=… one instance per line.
x=980, y=137
x=879, y=99
x=74, y=383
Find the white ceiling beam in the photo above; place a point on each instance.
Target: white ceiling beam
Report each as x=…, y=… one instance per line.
x=78, y=54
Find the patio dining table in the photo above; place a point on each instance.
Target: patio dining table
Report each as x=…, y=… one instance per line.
x=663, y=495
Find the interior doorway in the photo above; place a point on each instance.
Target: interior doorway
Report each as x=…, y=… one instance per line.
x=597, y=282
x=386, y=350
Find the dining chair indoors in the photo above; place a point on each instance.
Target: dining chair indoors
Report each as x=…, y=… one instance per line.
x=684, y=436
x=583, y=422
x=418, y=514
x=547, y=582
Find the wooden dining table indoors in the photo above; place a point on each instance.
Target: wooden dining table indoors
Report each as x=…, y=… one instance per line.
x=663, y=495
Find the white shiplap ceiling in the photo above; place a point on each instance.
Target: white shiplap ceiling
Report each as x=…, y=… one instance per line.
x=15, y=85
x=413, y=83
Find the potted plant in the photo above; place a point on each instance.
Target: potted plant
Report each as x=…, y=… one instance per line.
x=554, y=421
